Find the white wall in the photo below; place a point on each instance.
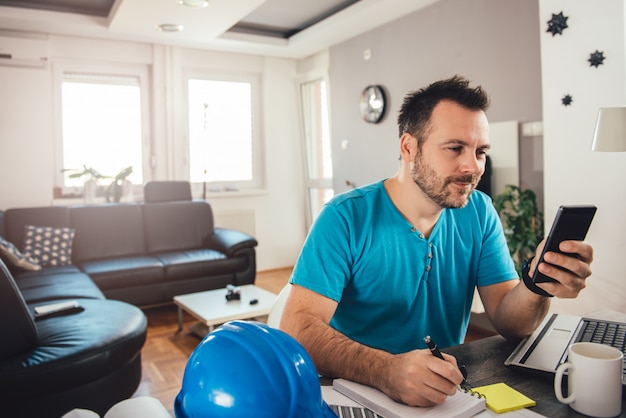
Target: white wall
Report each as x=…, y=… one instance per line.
x=572, y=173
x=26, y=148
x=28, y=122
x=494, y=43
x=504, y=155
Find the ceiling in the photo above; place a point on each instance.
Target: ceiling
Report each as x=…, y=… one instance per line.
x=288, y=28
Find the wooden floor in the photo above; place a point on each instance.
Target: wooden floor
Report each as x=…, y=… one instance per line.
x=166, y=351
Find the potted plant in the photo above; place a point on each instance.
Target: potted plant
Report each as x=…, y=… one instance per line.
x=76, y=173
x=90, y=186
x=115, y=191
x=522, y=222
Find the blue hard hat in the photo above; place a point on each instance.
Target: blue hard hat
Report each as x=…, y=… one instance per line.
x=248, y=369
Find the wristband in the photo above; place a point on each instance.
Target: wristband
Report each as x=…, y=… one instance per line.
x=529, y=282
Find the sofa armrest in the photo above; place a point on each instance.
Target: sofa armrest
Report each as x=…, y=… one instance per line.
x=229, y=241
x=17, y=327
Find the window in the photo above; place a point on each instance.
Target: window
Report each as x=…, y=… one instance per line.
x=319, y=168
x=224, y=136
x=102, y=125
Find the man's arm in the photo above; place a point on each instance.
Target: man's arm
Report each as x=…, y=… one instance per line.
x=515, y=311
x=415, y=378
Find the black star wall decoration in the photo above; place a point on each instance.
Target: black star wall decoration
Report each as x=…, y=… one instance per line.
x=567, y=100
x=557, y=24
x=596, y=58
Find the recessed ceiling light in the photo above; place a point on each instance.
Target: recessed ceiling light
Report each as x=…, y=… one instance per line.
x=170, y=27
x=197, y=4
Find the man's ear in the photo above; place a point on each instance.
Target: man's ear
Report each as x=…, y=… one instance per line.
x=408, y=147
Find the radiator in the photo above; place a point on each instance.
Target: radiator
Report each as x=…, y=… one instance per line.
x=241, y=220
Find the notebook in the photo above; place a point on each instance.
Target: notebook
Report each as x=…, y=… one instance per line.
x=461, y=405
x=501, y=397
x=546, y=348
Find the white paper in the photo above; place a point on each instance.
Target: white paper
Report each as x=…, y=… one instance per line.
x=460, y=405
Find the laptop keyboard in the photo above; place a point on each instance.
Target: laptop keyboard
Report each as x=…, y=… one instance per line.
x=609, y=333
x=353, y=412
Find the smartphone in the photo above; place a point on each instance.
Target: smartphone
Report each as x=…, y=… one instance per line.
x=571, y=223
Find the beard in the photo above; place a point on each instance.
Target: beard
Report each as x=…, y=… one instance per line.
x=441, y=190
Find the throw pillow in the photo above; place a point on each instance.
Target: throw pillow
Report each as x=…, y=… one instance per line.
x=15, y=257
x=51, y=247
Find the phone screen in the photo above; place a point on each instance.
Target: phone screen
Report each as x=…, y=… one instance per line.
x=570, y=223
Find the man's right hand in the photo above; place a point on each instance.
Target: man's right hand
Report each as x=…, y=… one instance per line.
x=418, y=378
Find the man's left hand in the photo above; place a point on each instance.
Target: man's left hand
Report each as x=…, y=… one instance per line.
x=569, y=271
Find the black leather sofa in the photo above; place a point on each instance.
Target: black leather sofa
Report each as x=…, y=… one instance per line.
x=142, y=253
x=89, y=359
x=124, y=256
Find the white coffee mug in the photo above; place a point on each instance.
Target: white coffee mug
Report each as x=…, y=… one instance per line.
x=594, y=379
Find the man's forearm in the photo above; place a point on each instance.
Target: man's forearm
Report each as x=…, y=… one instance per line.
x=520, y=312
x=336, y=355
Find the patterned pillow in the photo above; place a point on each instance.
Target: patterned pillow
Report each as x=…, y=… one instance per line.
x=15, y=257
x=51, y=247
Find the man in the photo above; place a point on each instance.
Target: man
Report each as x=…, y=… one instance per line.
x=389, y=263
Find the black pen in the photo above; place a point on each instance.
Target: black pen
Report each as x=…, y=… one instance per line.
x=433, y=347
x=435, y=350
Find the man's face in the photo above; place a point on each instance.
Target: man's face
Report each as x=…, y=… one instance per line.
x=453, y=155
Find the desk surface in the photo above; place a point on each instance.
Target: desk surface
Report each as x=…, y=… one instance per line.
x=484, y=360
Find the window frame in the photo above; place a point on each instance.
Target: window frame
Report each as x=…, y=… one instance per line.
x=257, y=135
x=142, y=73
x=313, y=184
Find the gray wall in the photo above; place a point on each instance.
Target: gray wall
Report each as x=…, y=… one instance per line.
x=495, y=43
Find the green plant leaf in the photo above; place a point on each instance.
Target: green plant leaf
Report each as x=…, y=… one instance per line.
x=521, y=220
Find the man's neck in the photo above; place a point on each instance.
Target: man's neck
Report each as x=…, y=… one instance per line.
x=412, y=203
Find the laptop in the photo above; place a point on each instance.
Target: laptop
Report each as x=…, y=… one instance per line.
x=546, y=348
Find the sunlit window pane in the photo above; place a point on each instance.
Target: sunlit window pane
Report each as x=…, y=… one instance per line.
x=318, y=198
x=317, y=130
x=319, y=164
x=220, y=131
x=101, y=124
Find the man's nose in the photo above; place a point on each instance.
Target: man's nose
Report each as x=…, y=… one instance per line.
x=472, y=164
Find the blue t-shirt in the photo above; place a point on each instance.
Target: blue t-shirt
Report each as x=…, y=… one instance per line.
x=395, y=286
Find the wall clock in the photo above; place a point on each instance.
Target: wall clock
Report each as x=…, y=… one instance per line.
x=373, y=104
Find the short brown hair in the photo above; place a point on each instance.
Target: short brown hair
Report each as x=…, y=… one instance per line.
x=418, y=106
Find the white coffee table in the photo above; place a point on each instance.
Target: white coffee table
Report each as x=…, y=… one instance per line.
x=211, y=307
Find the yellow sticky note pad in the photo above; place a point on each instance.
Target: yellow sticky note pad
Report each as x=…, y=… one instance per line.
x=501, y=397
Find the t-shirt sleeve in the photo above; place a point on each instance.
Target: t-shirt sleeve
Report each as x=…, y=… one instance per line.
x=324, y=261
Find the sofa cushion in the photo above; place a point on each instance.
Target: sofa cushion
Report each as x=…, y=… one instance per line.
x=17, y=326
x=75, y=349
x=56, y=283
x=16, y=219
x=49, y=246
x=199, y=263
x=12, y=255
x=124, y=271
x=173, y=226
x=107, y=231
